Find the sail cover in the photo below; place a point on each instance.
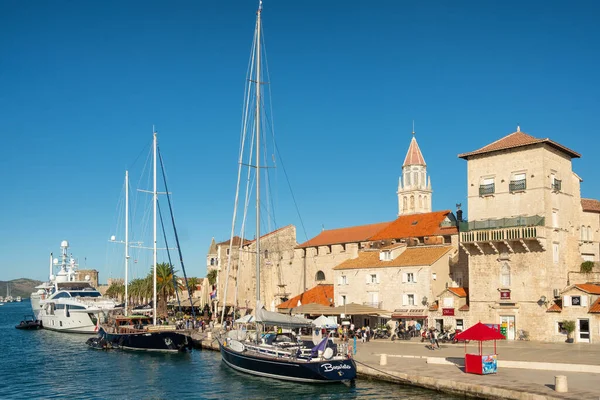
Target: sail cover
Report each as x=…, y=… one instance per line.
x=274, y=318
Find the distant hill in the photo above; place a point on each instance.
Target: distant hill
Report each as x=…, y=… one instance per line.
x=19, y=287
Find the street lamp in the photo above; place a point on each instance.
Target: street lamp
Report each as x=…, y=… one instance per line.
x=424, y=301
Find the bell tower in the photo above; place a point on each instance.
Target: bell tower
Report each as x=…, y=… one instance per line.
x=414, y=186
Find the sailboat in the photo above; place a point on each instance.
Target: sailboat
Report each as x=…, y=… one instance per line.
x=8, y=298
x=138, y=332
x=278, y=355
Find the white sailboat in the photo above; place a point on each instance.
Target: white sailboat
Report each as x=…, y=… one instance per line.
x=277, y=355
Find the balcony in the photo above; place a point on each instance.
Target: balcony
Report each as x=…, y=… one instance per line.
x=557, y=185
x=485, y=190
x=518, y=186
x=373, y=304
x=503, y=235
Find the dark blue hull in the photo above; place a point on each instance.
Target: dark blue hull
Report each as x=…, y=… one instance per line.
x=289, y=369
x=165, y=341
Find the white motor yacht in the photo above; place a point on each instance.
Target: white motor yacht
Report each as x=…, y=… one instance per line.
x=66, y=304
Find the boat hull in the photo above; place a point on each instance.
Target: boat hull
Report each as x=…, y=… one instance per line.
x=328, y=371
x=160, y=341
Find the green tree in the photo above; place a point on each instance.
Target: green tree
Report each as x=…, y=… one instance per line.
x=192, y=285
x=165, y=285
x=212, y=276
x=116, y=291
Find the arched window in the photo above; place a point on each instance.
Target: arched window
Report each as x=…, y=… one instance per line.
x=420, y=201
x=404, y=203
x=407, y=179
x=505, y=275
x=425, y=202
x=412, y=202
x=267, y=254
x=583, y=232
x=589, y=233
x=320, y=276
x=212, y=261
x=416, y=178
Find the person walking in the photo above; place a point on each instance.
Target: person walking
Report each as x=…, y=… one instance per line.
x=432, y=339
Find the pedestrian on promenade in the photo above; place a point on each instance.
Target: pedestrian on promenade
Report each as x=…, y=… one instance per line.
x=432, y=339
x=354, y=349
x=437, y=343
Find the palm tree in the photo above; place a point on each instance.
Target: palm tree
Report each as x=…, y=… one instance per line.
x=165, y=285
x=192, y=285
x=116, y=290
x=212, y=276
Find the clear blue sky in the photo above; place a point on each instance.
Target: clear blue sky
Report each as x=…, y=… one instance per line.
x=82, y=83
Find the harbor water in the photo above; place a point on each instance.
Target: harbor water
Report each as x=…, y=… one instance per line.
x=46, y=364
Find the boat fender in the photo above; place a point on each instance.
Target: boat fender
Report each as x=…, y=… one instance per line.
x=328, y=353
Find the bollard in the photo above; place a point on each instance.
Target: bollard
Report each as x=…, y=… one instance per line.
x=209, y=335
x=383, y=359
x=560, y=384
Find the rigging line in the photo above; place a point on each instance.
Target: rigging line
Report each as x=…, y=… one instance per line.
x=291, y=191
x=243, y=136
x=148, y=144
x=168, y=256
x=162, y=168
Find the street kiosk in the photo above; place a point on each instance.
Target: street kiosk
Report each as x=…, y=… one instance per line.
x=481, y=364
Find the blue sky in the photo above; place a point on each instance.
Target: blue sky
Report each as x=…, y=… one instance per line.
x=82, y=83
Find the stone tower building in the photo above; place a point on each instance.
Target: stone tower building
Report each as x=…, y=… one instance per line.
x=414, y=186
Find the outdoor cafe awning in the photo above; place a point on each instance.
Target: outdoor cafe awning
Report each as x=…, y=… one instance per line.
x=409, y=313
x=313, y=309
x=359, y=309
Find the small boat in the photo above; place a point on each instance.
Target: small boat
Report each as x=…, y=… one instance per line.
x=30, y=323
x=18, y=299
x=99, y=343
x=138, y=333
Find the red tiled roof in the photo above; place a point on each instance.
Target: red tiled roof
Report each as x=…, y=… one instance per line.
x=414, y=155
x=320, y=294
x=595, y=308
x=590, y=205
x=518, y=139
x=353, y=234
x=459, y=291
x=556, y=307
x=415, y=225
x=412, y=256
x=588, y=288
x=464, y=308
x=236, y=241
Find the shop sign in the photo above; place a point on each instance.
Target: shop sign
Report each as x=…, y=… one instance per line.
x=448, y=311
x=505, y=295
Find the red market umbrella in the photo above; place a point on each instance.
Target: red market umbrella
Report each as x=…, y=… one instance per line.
x=481, y=333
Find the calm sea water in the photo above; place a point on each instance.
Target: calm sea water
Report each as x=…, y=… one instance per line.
x=46, y=364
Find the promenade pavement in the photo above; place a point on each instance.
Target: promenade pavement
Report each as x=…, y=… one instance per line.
x=407, y=360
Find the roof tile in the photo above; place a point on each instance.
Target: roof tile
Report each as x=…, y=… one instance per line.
x=590, y=205
x=556, y=307
x=414, y=155
x=416, y=225
x=412, y=256
x=459, y=291
x=353, y=234
x=518, y=139
x=595, y=307
x=320, y=294
x=588, y=288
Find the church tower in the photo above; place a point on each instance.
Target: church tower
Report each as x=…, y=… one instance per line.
x=414, y=186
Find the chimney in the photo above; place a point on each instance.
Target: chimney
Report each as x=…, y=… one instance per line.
x=459, y=213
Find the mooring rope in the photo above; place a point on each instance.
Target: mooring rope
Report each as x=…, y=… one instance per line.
x=380, y=371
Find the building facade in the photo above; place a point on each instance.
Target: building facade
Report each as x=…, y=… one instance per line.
x=524, y=234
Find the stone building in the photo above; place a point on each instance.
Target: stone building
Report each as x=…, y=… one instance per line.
x=580, y=303
x=451, y=310
x=396, y=278
x=414, y=186
x=89, y=275
x=524, y=234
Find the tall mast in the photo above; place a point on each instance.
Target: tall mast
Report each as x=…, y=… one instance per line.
x=126, y=241
x=154, y=201
x=257, y=117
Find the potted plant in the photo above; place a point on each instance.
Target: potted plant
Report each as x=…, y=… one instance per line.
x=569, y=327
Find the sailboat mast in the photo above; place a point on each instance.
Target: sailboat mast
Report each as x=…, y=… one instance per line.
x=257, y=118
x=126, y=241
x=154, y=201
